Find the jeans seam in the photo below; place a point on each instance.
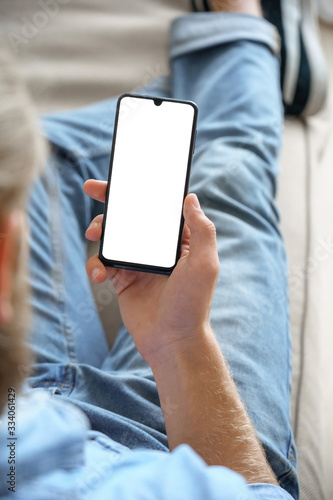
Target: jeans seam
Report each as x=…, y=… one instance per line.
x=58, y=270
x=64, y=384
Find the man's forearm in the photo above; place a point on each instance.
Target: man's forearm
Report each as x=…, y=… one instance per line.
x=202, y=408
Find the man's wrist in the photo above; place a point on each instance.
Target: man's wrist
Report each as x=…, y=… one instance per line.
x=184, y=351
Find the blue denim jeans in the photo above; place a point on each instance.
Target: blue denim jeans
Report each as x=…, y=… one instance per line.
x=228, y=64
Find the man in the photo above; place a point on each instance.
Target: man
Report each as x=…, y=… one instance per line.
x=220, y=321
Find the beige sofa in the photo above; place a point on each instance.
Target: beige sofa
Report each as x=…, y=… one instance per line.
x=73, y=52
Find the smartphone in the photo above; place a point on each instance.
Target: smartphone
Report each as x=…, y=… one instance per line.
x=151, y=157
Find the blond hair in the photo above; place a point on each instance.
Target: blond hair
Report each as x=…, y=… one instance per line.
x=22, y=154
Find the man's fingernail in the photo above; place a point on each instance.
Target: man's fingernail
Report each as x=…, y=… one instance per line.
x=195, y=201
x=95, y=272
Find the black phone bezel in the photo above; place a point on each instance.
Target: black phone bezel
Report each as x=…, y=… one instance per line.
x=135, y=266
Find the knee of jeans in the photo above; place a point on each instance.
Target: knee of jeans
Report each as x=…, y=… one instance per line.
x=237, y=182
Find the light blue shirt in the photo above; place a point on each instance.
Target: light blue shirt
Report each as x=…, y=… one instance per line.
x=56, y=455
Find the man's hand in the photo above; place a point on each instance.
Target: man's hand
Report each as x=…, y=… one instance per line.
x=162, y=312
x=168, y=318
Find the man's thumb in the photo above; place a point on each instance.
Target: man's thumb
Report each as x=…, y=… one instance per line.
x=203, y=233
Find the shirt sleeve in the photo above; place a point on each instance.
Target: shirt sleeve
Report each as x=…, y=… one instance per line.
x=182, y=475
x=269, y=492
x=111, y=471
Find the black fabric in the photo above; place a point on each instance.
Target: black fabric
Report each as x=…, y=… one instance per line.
x=201, y=5
x=303, y=85
x=273, y=13
x=206, y=5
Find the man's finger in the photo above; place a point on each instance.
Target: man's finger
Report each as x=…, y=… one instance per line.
x=94, y=231
x=95, y=189
x=96, y=270
x=185, y=248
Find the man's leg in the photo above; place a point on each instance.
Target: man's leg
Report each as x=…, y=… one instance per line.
x=236, y=86
x=66, y=329
x=226, y=64
x=67, y=325
x=67, y=337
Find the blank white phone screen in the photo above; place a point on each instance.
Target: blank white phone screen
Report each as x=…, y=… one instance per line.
x=147, y=182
